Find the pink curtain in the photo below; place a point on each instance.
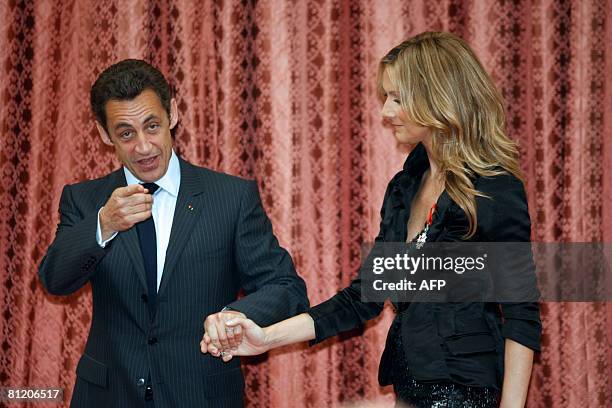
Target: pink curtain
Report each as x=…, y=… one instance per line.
x=284, y=92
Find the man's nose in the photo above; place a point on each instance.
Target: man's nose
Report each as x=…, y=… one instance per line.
x=143, y=145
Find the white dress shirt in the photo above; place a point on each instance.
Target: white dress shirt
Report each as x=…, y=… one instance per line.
x=164, y=203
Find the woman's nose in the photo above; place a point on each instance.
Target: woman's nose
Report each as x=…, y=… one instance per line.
x=387, y=110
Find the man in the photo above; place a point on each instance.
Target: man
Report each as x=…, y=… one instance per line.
x=164, y=244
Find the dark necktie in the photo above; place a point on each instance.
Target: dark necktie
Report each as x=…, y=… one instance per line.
x=148, y=247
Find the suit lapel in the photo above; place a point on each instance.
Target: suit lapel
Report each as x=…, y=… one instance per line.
x=126, y=239
x=129, y=241
x=115, y=180
x=188, y=206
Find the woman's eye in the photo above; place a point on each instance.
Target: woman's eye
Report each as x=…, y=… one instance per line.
x=397, y=101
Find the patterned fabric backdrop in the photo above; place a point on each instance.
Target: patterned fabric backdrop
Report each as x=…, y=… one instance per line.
x=284, y=92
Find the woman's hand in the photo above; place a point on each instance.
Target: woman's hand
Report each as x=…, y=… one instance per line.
x=256, y=340
x=253, y=340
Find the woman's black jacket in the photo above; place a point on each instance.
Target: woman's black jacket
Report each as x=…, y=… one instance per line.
x=459, y=342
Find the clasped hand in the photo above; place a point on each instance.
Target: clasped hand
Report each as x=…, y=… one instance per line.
x=230, y=333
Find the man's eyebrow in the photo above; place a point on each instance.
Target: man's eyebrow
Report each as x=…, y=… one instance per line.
x=150, y=118
x=122, y=125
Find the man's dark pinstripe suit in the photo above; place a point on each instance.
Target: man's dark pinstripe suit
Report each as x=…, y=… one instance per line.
x=221, y=240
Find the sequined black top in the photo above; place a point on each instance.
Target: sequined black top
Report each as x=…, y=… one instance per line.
x=438, y=394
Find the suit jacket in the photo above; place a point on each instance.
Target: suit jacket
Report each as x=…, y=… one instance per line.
x=459, y=342
x=221, y=241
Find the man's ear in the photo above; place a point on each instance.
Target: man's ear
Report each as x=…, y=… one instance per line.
x=103, y=134
x=173, y=113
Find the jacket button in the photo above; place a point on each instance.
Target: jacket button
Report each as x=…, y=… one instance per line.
x=144, y=298
x=152, y=341
x=140, y=382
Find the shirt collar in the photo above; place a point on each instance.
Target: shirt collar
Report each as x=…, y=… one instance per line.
x=169, y=181
x=417, y=161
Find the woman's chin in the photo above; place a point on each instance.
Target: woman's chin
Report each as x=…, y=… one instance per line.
x=406, y=140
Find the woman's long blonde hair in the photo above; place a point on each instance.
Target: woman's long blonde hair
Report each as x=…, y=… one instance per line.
x=444, y=87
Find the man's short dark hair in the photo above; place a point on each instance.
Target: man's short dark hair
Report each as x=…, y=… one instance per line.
x=125, y=80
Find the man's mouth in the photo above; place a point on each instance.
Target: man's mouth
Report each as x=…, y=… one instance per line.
x=148, y=162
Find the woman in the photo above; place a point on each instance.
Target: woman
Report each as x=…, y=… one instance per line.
x=461, y=182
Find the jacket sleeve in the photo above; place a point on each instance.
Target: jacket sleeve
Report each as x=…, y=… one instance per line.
x=72, y=258
x=345, y=310
x=504, y=217
x=267, y=274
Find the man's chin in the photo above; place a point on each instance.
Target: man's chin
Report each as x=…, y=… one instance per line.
x=148, y=176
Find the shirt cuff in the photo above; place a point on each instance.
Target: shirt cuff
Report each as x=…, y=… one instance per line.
x=99, y=233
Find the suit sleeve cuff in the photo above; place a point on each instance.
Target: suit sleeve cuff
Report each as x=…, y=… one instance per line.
x=99, y=233
x=524, y=332
x=322, y=327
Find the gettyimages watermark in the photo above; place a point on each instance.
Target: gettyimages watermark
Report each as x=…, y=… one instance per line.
x=486, y=272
